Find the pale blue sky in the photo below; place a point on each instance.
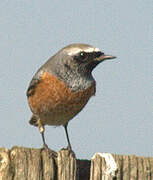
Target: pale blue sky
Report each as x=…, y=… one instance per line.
x=119, y=118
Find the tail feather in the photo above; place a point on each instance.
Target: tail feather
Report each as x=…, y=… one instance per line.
x=34, y=120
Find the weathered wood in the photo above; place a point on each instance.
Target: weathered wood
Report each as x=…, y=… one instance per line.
x=26, y=163
x=127, y=167
x=118, y=160
x=48, y=166
x=103, y=167
x=5, y=165
x=66, y=164
x=133, y=167
x=21, y=163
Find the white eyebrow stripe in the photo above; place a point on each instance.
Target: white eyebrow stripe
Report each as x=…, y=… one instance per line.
x=77, y=50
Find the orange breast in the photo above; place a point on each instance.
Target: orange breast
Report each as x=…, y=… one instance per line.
x=55, y=103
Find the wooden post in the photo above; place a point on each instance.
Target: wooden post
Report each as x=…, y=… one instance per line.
x=21, y=163
x=66, y=164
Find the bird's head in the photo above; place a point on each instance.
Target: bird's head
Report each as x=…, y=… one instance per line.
x=83, y=56
x=74, y=63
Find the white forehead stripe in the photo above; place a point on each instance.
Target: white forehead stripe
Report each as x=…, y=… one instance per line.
x=77, y=50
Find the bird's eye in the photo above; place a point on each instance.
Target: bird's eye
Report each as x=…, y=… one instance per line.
x=83, y=55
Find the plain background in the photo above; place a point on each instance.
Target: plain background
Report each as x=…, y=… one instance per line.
x=119, y=118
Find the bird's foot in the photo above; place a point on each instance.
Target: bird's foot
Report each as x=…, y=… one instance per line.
x=51, y=153
x=70, y=151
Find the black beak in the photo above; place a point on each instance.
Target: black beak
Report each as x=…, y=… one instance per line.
x=97, y=58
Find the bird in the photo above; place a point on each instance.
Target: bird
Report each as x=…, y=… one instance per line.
x=62, y=86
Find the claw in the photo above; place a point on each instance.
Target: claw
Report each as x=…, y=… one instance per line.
x=70, y=151
x=50, y=152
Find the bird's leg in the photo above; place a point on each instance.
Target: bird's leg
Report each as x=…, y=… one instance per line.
x=42, y=130
x=45, y=146
x=69, y=148
x=44, y=142
x=67, y=137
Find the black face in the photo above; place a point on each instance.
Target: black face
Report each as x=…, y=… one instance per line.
x=85, y=57
x=87, y=61
x=81, y=57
